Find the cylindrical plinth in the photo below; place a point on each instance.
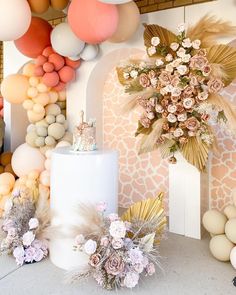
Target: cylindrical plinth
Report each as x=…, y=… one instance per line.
x=87, y=178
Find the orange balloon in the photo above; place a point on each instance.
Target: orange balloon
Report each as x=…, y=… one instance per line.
x=14, y=88
x=59, y=4
x=129, y=19
x=36, y=39
x=39, y=6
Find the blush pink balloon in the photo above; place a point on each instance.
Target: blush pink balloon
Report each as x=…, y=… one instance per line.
x=57, y=60
x=51, y=79
x=66, y=74
x=60, y=86
x=40, y=60
x=48, y=51
x=93, y=21
x=48, y=67
x=38, y=71
x=73, y=63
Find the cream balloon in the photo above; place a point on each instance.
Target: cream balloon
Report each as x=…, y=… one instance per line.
x=221, y=247
x=230, y=230
x=65, y=42
x=90, y=52
x=230, y=211
x=214, y=222
x=129, y=20
x=15, y=19
x=233, y=257
x=25, y=159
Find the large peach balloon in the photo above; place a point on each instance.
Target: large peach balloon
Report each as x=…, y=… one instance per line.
x=15, y=17
x=59, y=4
x=25, y=159
x=93, y=21
x=129, y=19
x=36, y=39
x=14, y=88
x=39, y=6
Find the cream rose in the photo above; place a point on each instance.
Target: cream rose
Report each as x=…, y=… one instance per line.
x=155, y=41
x=188, y=102
x=151, y=50
x=192, y=124
x=215, y=85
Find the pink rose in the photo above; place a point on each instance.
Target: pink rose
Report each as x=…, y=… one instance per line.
x=104, y=241
x=192, y=124
x=150, y=269
x=198, y=62
x=188, y=102
x=215, y=85
x=165, y=78
x=194, y=81
x=188, y=91
x=95, y=259
x=145, y=121
x=114, y=265
x=144, y=80
x=206, y=70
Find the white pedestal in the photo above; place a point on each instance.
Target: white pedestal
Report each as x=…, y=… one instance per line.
x=87, y=178
x=188, y=198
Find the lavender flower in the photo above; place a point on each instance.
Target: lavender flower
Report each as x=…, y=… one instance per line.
x=28, y=238
x=19, y=254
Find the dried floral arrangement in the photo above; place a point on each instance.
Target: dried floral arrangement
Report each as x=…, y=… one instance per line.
x=178, y=89
x=120, y=249
x=24, y=225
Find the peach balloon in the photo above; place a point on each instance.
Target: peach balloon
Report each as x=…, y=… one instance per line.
x=7, y=179
x=25, y=159
x=57, y=60
x=73, y=63
x=59, y=4
x=28, y=69
x=48, y=51
x=93, y=21
x=34, y=41
x=48, y=67
x=66, y=74
x=14, y=88
x=51, y=79
x=40, y=60
x=60, y=86
x=129, y=19
x=39, y=72
x=39, y=6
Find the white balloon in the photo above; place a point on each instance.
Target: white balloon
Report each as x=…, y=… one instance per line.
x=233, y=257
x=65, y=42
x=15, y=18
x=115, y=1
x=89, y=52
x=74, y=58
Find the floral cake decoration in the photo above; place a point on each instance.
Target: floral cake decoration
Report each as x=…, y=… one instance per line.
x=179, y=88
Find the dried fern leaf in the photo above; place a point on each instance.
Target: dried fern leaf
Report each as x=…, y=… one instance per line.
x=196, y=152
x=228, y=107
x=225, y=56
x=166, y=36
x=149, y=210
x=209, y=29
x=148, y=142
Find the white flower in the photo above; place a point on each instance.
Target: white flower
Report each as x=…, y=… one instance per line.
x=176, y=91
x=196, y=44
x=117, y=229
x=178, y=132
x=150, y=115
x=169, y=88
x=153, y=81
x=169, y=68
x=172, y=108
x=101, y=207
x=113, y=217
x=181, y=28
x=33, y=223
x=187, y=43
x=79, y=239
x=188, y=102
x=182, y=69
x=159, y=108
x=169, y=57
x=159, y=62
x=155, y=41
x=131, y=279
x=181, y=52
x=28, y=238
x=142, y=65
x=182, y=117
x=186, y=58
x=117, y=243
x=174, y=46
x=202, y=95
x=19, y=253
x=163, y=91
x=171, y=118
x=151, y=50
x=126, y=75
x=90, y=247
x=134, y=74
x=175, y=63
x=135, y=256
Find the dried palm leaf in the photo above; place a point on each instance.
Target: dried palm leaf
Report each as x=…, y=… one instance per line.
x=165, y=148
x=217, y=70
x=225, y=56
x=148, y=211
x=166, y=36
x=148, y=142
x=208, y=29
x=228, y=107
x=196, y=152
x=132, y=100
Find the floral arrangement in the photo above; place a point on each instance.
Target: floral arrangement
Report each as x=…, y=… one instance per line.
x=121, y=249
x=179, y=89
x=23, y=228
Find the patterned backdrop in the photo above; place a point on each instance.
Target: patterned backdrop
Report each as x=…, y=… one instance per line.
x=145, y=175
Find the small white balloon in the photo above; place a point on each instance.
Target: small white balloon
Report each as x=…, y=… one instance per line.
x=233, y=257
x=65, y=42
x=115, y=1
x=74, y=58
x=15, y=18
x=90, y=52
